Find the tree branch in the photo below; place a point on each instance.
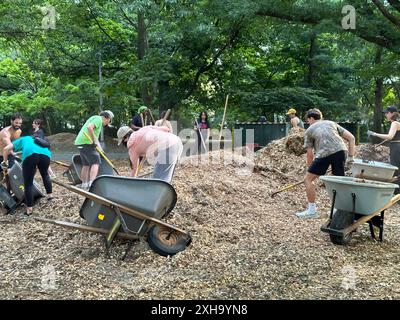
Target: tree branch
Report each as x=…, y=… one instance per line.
x=395, y=4
x=359, y=32
x=98, y=23
x=393, y=19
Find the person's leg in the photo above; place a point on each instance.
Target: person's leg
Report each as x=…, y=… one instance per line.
x=317, y=168
x=28, y=172
x=338, y=162
x=94, y=170
x=85, y=166
x=43, y=165
x=93, y=158
x=395, y=161
x=1, y=170
x=310, y=188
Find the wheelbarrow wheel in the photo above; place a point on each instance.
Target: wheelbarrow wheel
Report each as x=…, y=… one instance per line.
x=341, y=220
x=164, y=242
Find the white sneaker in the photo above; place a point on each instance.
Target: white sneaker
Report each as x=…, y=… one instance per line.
x=307, y=214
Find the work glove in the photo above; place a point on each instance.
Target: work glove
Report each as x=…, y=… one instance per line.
x=350, y=159
x=370, y=133
x=4, y=165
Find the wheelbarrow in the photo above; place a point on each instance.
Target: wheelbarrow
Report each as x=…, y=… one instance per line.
x=129, y=208
x=13, y=195
x=373, y=170
x=356, y=201
x=73, y=173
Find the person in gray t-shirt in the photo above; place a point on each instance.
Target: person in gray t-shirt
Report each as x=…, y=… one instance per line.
x=325, y=148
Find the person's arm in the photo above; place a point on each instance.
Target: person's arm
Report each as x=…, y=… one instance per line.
x=310, y=156
x=351, y=140
x=90, y=128
x=163, y=128
x=7, y=151
x=134, y=160
x=390, y=135
x=169, y=125
x=5, y=139
x=40, y=134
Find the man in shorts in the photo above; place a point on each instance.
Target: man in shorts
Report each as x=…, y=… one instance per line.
x=325, y=148
x=9, y=134
x=87, y=149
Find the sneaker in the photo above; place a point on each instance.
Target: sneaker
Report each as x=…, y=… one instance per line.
x=307, y=214
x=82, y=186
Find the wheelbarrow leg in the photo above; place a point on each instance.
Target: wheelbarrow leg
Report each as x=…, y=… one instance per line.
x=371, y=229
x=381, y=222
x=128, y=249
x=111, y=235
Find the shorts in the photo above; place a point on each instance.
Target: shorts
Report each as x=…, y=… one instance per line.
x=89, y=154
x=337, y=161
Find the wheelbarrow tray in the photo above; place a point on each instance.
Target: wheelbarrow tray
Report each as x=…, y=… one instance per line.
x=17, y=183
x=373, y=170
x=74, y=171
x=152, y=197
x=368, y=196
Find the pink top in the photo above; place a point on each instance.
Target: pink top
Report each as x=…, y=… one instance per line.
x=146, y=141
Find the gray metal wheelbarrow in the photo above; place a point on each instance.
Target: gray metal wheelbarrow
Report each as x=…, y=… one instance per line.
x=74, y=171
x=12, y=190
x=354, y=202
x=130, y=208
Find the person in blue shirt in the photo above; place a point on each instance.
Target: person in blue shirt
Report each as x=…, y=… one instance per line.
x=33, y=157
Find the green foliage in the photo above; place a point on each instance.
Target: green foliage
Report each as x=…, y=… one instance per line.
x=188, y=55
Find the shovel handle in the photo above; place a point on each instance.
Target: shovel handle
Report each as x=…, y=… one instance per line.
x=101, y=153
x=291, y=186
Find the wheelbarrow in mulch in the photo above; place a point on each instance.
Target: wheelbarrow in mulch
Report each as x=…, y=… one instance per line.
x=12, y=193
x=73, y=172
x=360, y=199
x=129, y=208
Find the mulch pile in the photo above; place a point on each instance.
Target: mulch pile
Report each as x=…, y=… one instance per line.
x=64, y=142
x=246, y=245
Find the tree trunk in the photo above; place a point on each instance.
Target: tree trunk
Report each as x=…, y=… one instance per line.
x=378, y=94
x=311, y=54
x=142, y=48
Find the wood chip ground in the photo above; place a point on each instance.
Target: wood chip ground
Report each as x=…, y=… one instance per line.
x=246, y=245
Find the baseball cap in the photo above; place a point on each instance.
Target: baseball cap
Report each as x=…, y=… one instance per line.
x=122, y=132
x=142, y=109
x=390, y=109
x=291, y=111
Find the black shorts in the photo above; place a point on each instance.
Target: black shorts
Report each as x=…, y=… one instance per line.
x=89, y=154
x=337, y=161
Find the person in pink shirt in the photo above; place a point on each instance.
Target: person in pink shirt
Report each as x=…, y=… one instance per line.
x=157, y=144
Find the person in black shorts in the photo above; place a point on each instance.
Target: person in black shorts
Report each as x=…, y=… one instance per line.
x=326, y=148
